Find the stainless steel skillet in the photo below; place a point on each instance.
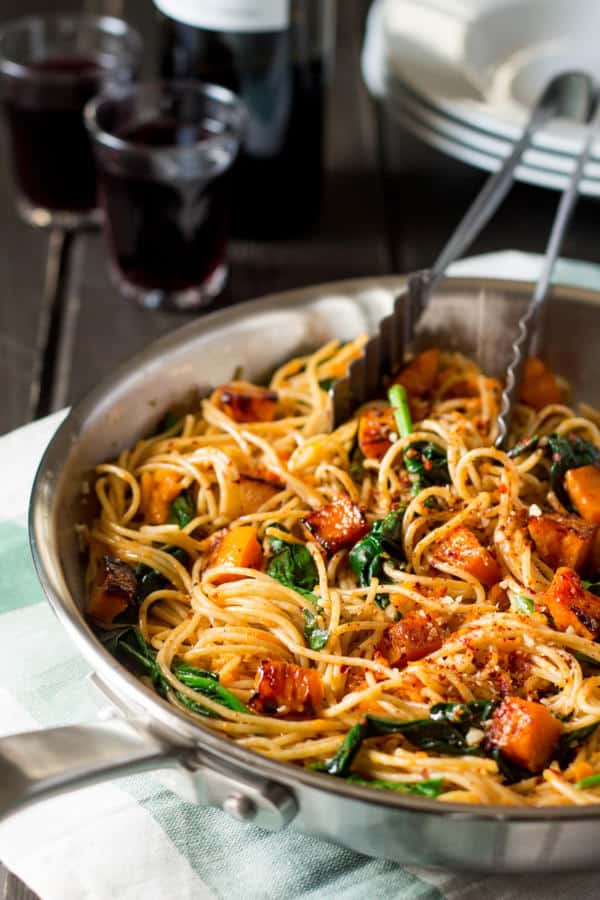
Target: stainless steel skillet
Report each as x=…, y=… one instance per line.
x=473, y=315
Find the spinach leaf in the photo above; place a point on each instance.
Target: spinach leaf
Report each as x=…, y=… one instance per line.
x=430, y=788
x=527, y=445
x=315, y=637
x=511, y=773
x=427, y=465
x=569, y=453
x=207, y=683
x=293, y=566
x=339, y=764
x=523, y=604
x=382, y=600
x=586, y=661
x=182, y=510
x=150, y=580
x=570, y=743
x=445, y=732
x=384, y=541
x=327, y=383
x=169, y=421
x=196, y=707
x=593, y=586
x=192, y=676
x=129, y=642
x=112, y=638
x=464, y=715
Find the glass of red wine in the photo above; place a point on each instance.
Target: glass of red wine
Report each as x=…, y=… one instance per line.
x=50, y=66
x=164, y=153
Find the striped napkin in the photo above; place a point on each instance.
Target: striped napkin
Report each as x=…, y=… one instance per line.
x=140, y=836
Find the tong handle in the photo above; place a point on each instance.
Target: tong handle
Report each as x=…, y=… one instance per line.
x=566, y=96
x=521, y=346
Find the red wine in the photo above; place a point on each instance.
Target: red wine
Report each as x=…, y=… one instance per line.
x=279, y=74
x=51, y=150
x=165, y=236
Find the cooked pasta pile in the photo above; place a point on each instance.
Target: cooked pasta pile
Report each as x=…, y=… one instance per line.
x=396, y=602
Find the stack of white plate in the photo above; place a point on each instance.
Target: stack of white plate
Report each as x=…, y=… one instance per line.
x=462, y=75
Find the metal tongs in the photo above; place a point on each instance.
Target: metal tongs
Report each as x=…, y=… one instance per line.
x=572, y=95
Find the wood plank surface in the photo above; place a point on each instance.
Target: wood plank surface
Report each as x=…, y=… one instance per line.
x=24, y=312
x=427, y=193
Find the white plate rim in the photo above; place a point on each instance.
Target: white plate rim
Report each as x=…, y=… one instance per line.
x=503, y=122
x=473, y=156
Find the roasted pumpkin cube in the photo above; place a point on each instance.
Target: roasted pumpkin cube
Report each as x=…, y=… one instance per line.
x=526, y=732
x=282, y=688
x=239, y=548
x=249, y=494
x=418, y=377
x=414, y=637
x=244, y=402
x=113, y=590
x=562, y=540
x=375, y=430
x=462, y=549
x=571, y=605
x=540, y=386
x=159, y=488
x=583, y=488
x=337, y=525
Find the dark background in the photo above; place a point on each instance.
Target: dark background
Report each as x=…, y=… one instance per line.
x=389, y=203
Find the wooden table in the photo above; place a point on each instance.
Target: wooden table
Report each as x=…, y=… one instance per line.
x=389, y=203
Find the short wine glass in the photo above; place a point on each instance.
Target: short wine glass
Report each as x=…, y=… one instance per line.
x=50, y=66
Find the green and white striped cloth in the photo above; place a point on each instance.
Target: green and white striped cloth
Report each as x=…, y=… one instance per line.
x=139, y=837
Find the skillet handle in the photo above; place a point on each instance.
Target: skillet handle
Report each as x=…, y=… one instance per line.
x=36, y=764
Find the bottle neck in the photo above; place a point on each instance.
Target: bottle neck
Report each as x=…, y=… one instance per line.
x=249, y=16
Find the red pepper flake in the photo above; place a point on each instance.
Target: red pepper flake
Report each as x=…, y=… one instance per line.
x=427, y=465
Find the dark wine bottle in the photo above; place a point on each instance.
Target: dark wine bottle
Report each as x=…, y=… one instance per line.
x=276, y=55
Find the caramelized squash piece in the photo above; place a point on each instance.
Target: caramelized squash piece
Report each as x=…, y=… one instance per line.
x=374, y=429
x=245, y=402
x=415, y=636
x=498, y=596
x=540, y=387
x=418, y=377
x=239, y=547
x=583, y=488
x=562, y=540
x=159, y=488
x=282, y=688
x=337, y=525
x=462, y=549
x=250, y=494
x=526, y=732
x=571, y=605
x=114, y=589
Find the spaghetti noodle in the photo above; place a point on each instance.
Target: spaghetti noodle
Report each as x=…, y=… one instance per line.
x=395, y=601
